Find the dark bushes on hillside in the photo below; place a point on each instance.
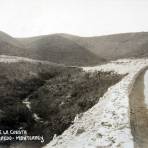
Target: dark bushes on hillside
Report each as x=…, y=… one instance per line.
x=57, y=95
x=66, y=95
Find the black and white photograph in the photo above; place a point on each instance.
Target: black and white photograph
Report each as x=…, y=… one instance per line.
x=73, y=73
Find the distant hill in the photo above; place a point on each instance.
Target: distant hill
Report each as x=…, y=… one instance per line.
x=11, y=46
x=53, y=48
x=125, y=45
x=74, y=50
x=109, y=47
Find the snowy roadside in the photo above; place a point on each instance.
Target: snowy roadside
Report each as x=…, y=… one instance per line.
x=107, y=124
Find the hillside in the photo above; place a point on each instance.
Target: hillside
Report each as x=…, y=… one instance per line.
x=111, y=47
x=44, y=98
x=74, y=50
x=53, y=48
x=18, y=80
x=11, y=46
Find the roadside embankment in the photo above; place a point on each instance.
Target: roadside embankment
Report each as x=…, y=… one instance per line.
x=139, y=111
x=106, y=124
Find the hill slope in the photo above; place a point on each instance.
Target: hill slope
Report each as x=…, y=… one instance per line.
x=58, y=49
x=125, y=45
x=44, y=98
x=11, y=46
x=18, y=80
x=74, y=50
x=117, y=46
x=53, y=48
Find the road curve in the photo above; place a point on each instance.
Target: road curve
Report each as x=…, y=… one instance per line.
x=139, y=112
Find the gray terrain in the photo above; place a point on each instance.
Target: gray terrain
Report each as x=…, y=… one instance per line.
x=44, y=98
x=74, y=50
x=45, y=73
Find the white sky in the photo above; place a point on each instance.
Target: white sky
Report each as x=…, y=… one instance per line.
x=22, y=18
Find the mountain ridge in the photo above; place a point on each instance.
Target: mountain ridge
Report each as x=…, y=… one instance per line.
x=75, y=50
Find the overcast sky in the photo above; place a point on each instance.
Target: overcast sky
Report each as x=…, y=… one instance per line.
x=22, y=18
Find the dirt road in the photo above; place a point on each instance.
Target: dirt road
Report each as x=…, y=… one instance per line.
x=139, y=112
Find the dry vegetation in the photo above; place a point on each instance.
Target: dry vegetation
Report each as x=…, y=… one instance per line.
x=56, y=94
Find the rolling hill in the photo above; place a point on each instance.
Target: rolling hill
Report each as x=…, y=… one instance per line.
x=111, y=47
x=74, y=50
x=52, y=48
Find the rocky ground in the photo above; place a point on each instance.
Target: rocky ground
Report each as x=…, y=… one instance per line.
x=106, y=124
